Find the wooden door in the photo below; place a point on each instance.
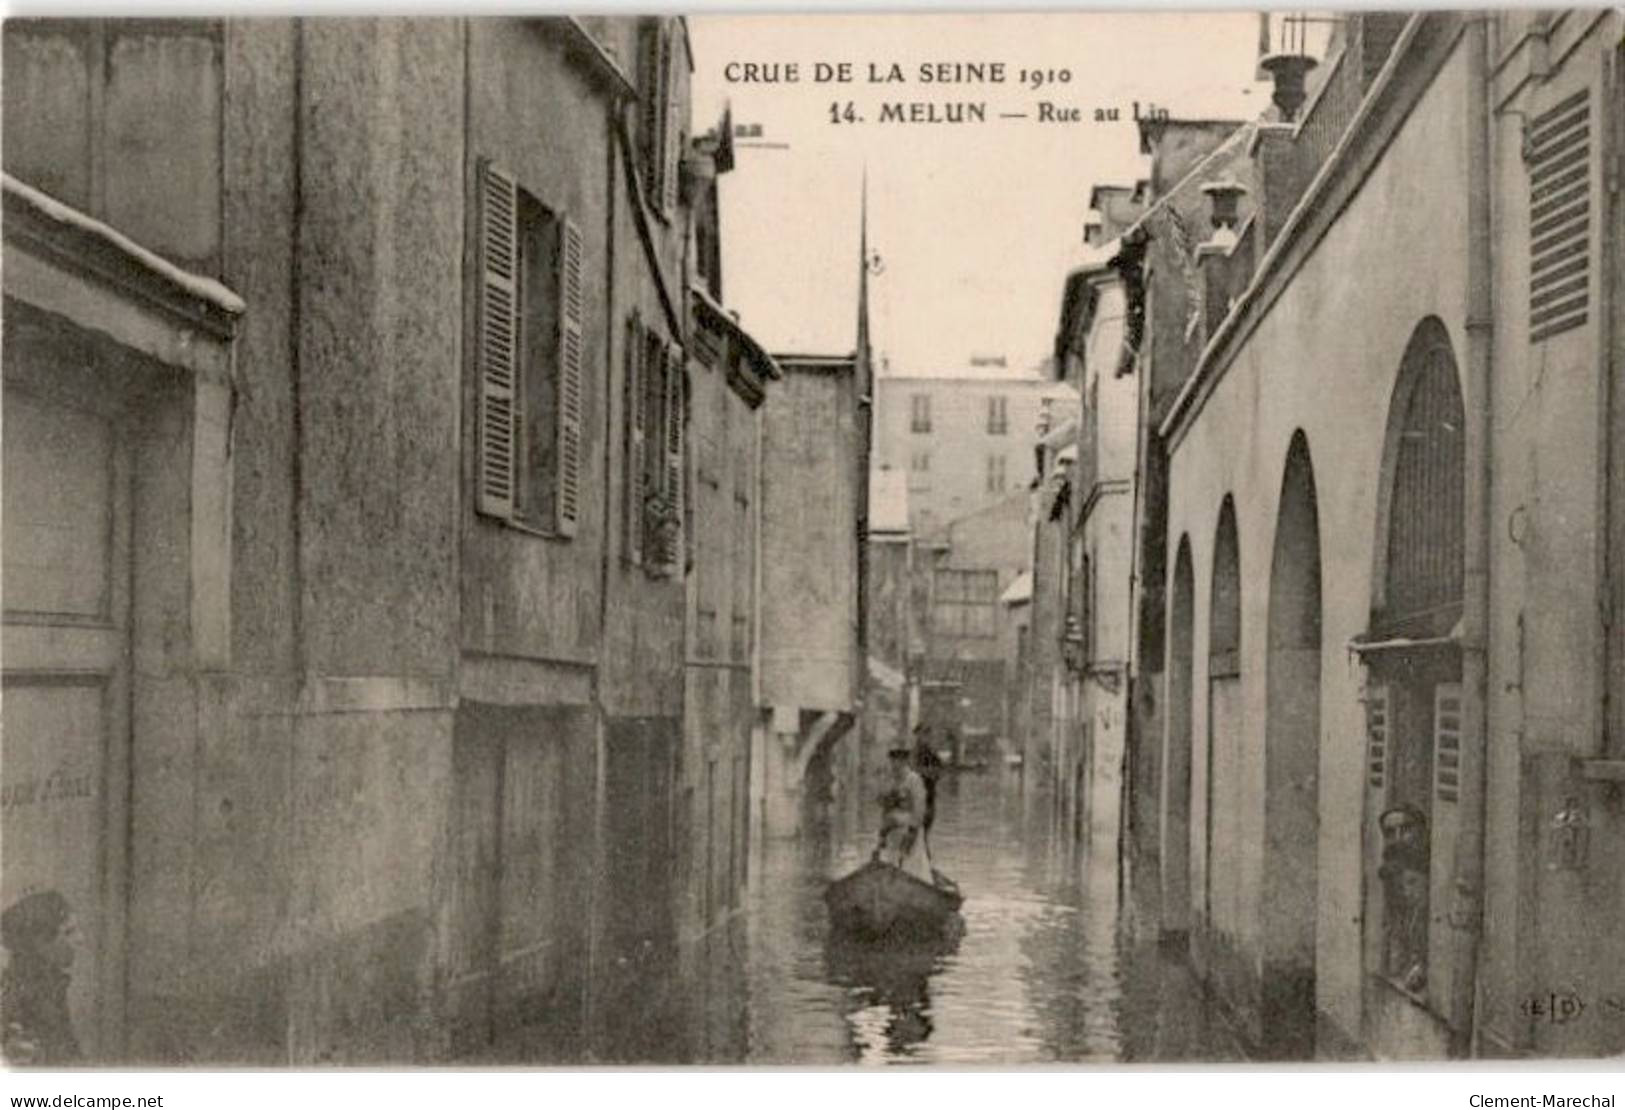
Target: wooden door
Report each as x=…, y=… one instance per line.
x=64, y=719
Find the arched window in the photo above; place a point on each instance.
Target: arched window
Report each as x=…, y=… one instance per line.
x=1422, y=585
x=1413, y=661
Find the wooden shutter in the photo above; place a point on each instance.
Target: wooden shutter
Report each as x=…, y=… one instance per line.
x=672, y=118
x=634, y=440
x=1376, y=736
x=673, y=360
x=654, y=101
x=1558, y=153
x=567, y=499
x=1447, y=741
x=497, y=345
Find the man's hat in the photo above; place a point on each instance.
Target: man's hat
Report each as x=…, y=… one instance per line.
x=899, y=753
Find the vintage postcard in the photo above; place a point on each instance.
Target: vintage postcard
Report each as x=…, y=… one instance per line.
x=966, y=539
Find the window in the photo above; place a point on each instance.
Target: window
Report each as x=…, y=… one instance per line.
x=653, y=450
x=1413, y=693
x=963, y=603
x=920, y=462
x=998, y=416
x=661, y=112
x=995, y=474
x=919, y=412
x=529, y=359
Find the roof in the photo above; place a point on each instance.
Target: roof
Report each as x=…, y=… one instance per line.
x=888, y=501
x=816, y=362
x=1020, y=589
x=1152, y=127
x=761, y=361
x=991, y=374
x=1198, y=173
x=1064, y=432
x=1411, y=67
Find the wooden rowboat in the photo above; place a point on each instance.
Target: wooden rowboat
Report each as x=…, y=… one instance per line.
x=881, y=900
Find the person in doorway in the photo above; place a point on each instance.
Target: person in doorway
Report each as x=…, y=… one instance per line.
x=1404, y=876
x=902, y=825
x=928, y=765
x=38, y=931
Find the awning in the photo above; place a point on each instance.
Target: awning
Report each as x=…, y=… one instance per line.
x=1019, y=591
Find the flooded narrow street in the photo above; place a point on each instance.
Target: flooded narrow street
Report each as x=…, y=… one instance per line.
x=1046, y=968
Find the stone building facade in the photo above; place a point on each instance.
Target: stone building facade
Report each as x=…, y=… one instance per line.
x=1390, y=779
x=369, y=380
x=965, y=438
x=815, y=474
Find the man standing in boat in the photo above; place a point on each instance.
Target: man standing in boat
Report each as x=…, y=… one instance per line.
x=902, y=829
x=929, y=766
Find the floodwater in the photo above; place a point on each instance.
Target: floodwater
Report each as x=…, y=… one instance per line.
x=1048, y=967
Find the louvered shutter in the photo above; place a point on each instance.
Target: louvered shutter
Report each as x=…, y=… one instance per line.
x=651, y=379
x=1376, y=736
x=1447, y=741
x=672, y=118
x=498, y=341
x=1558, y=152
x=634, y=440
x=654, y=101
x=674, y=456
x=567, y=499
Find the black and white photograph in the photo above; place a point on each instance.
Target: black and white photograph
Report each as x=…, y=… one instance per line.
x=975, y=539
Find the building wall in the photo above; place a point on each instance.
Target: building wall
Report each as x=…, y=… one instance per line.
x=1547, y=565
x=1338, y=397
x=995, y=538
x=959, y=444
x=643, y=634
x=719, y=699
x=809, y=546
x=122, y=121
x=1109, y=439
x=354, y=797
x=1549, y=562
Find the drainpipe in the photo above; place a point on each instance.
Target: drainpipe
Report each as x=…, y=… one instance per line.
x=1467, y=911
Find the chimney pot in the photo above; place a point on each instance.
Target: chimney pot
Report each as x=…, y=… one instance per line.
x=1288, y=71
x=1224, y=195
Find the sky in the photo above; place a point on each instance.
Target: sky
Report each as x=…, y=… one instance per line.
x=975, y=224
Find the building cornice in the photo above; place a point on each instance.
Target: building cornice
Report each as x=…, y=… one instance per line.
x=89, y=249
x=583, y=46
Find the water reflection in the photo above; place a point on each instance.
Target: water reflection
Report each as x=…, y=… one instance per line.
x=1046, y=964
x=888, y=984
x=1044, y=969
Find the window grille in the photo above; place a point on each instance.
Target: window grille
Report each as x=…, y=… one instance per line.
x=1426, y=520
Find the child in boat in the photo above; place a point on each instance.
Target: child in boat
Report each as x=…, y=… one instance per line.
x=903, y=807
